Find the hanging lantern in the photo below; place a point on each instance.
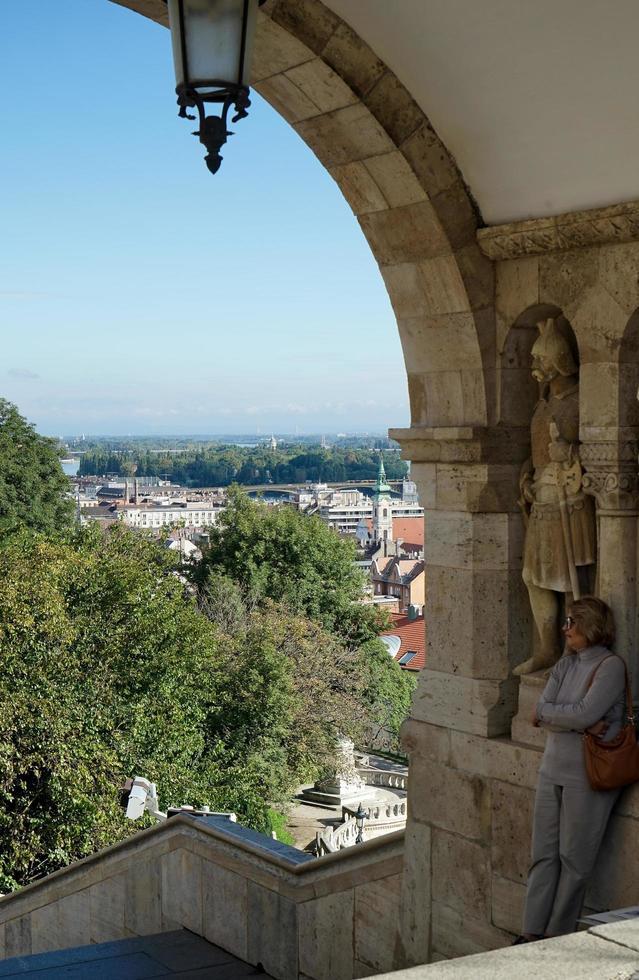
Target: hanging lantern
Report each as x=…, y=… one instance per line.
x=212, y=45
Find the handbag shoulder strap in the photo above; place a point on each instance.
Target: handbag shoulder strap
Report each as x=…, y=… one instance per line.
x=629, y=707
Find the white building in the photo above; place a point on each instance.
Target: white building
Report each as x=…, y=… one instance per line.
x=195, y=514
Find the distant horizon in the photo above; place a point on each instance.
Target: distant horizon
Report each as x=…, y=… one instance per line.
x=277, y=434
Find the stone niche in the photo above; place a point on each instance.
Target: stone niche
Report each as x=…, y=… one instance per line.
x=474, y=754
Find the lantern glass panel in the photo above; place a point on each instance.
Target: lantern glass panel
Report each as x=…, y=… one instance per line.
x=213, y=41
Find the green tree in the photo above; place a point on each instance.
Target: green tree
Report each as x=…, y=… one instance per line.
x=33, y=487
x=278, y=554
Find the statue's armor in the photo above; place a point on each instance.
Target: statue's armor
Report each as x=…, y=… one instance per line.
x=545, y=558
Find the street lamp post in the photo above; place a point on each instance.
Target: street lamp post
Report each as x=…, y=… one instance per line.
x=212, y=44
x=360, y=817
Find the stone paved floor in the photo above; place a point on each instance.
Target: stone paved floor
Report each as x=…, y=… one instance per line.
x=168, y=954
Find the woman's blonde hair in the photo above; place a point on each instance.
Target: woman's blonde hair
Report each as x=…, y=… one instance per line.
x=594, y=619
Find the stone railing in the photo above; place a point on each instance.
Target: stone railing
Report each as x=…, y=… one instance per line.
x=334, y=839
x=391, y=814
x=383, y=777
x=259, y=899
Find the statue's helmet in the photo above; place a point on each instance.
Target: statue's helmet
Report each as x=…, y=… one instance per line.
x=551, y=352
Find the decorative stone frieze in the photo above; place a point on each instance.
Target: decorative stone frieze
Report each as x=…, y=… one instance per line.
x=612, y=472
x=616, y=490
x=600, y=226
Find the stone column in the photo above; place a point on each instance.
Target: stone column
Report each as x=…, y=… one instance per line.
x=477, y=627
x=611, y=475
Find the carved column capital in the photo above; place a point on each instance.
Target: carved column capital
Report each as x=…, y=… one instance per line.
x=612, y=475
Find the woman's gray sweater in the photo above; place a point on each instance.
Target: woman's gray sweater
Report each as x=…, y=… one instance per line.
x=568, y=706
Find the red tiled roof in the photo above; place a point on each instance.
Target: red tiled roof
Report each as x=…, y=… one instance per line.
x=412, y=634
x=410, y=529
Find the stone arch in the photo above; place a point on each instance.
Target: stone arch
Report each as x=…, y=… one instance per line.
x=404, y=189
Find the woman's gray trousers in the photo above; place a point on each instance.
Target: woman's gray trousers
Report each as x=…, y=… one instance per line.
x=568, y=828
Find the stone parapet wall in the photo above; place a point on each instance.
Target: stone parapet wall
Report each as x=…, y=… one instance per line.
x=327, y=919
x=471, y=802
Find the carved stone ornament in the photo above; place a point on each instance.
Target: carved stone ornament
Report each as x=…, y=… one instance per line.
x=618, y=223
x=614, y=490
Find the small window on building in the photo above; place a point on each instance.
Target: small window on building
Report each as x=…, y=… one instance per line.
x=407, y=657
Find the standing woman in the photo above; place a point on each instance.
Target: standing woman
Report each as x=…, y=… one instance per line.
x=585, y=692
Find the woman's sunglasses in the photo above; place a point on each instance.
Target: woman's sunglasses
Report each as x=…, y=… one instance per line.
x=568, y=623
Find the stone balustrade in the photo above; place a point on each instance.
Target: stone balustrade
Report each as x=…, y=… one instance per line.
x=329, y=918
x=383, y=777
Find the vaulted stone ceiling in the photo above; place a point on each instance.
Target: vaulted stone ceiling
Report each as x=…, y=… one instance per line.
x=538, y=100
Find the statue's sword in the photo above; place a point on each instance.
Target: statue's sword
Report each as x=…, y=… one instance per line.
x=567, y=476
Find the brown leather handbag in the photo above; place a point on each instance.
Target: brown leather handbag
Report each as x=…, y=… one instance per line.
x=613, y=764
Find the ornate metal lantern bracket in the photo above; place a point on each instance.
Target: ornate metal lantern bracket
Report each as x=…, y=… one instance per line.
x=213, y=131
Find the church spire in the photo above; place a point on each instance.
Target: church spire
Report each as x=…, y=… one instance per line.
x=381, y=487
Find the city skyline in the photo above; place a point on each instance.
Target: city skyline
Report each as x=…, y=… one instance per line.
x=140, y=294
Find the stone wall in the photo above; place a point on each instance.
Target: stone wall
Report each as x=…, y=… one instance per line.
x=474, y=754
x=333, y=918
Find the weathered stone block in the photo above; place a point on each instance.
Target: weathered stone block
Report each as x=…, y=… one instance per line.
x=395, y=178
x=63, y=923
x=469, y=541
x=523, y=730
x=225, y=908
x=326, y=931
x=512, y=813
x=272, y=932
x=319, y=83
x=181, y=890
x=353, y=60
x=495, y=758
x=359, y=188
x=275, y=50
x=428, y=342
x=462, y=934
x=460, y=876
x=478, y=274
x=407, y=234
x=286, y=98
x=599, y=324
x=430, y=160
x=508, y=899
x=564, y=277
x=619, y=274
x=376, y=923
x=443, y=287
x=405, y=290
x=415, y=903
x=106, y=910
x=17, y=936
x=455, y=211
x=516, y=288
x=143, y=898
x=449, y=799
x=479, y=707
x=344, y=136
x=394, y=107
x=312, y=22
x=602, y=382
x=614, y=883
x=425, y=741
x=468, y=622
x=425, y=476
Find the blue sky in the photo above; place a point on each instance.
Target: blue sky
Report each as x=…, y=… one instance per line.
x=140, y=294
